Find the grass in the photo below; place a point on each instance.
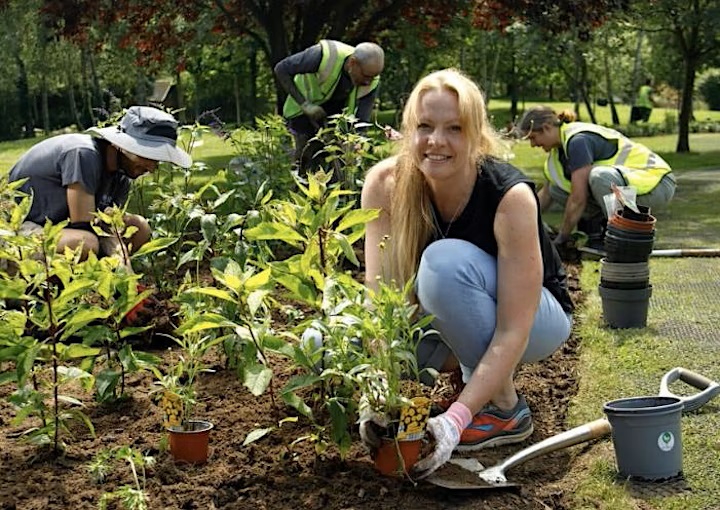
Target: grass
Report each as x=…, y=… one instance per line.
x=623, y=363
x=618, y=363
x=498, y=110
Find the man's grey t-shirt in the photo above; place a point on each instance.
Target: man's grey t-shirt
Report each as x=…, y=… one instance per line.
x=54, y=164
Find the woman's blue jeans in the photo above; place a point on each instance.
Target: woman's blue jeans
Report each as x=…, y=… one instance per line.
x=457, y=284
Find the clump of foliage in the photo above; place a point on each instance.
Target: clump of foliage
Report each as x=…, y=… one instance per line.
x=131, y=497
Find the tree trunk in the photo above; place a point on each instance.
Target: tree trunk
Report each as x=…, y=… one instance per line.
x=74, y=112
x=609, y=89
x=253, y=82
x=686, y=106
x=583, y=85
x=236, y=91
x=23, y=92
x=637, y=65
x=87, y=89
x=73, y=108
x=44, y=104
x=141, y=88
x=513, y=87
x=97, y=92
x=180, y=93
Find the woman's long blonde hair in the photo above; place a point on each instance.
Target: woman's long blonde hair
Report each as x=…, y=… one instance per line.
x=411, y=209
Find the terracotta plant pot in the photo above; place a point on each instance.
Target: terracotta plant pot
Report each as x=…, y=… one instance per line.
x=396, y=458
x=397, y=455
x=191, y=444
x=645, y=226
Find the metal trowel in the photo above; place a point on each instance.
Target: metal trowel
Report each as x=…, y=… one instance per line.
x=494, y=477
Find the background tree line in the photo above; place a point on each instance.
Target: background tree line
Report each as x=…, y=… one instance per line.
x=77, y=61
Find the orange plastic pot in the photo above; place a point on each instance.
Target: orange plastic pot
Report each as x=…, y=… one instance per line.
x=633, y=225
x=190, y=444
x=396, y=458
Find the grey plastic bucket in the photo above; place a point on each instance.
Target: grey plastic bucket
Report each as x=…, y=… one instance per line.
x=625, y=308
x=646, y=436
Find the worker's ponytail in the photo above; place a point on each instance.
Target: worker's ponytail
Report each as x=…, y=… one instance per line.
x=566, y=116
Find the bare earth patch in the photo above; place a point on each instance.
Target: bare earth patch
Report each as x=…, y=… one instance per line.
x=272, y=474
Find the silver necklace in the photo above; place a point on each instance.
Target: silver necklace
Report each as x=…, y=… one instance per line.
x=459, y=209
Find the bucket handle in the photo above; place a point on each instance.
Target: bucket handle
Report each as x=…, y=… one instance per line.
x=708, y=388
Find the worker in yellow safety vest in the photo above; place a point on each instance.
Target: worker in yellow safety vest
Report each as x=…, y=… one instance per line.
x=326, y=79
x=644, y=103
x=584, y=161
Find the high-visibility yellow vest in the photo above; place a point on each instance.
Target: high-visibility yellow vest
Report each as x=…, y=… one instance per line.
x=318, y=87
x=641, y=167
x=643, y=98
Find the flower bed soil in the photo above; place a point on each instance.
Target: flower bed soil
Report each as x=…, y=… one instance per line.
x=271, y=473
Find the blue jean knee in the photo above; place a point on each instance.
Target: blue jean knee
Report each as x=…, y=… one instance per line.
x=457, y=284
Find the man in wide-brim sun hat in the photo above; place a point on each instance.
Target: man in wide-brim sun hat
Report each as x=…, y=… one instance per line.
x=71, y=176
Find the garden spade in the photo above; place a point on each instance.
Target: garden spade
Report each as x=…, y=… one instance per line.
x=494, y=477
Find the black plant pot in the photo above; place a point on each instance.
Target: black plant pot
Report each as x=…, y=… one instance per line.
x=629, y=234
x=625, y=285
x=628, y=213
x=624, y=249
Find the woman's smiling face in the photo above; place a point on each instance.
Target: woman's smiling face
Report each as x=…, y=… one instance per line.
x=441, y=146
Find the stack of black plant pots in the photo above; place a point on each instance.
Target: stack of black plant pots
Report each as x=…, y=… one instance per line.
x=625, y=287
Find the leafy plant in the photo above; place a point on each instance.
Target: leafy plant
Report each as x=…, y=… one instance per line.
x=177, y=387
x=347, y=148
x=321, y=227
x=392, y=328
x=48, y=287
x=132, y=497
x=241, y=295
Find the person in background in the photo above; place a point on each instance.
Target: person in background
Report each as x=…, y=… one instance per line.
x=324, y=80
x=467, y=226
x=644, y=103
x=584, y=161
x=72, y=176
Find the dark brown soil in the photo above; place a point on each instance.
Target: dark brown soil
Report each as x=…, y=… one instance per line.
x=271, y=473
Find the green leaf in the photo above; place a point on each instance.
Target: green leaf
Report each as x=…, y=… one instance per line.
x=338, y=420
x=208, y=226
x=82, y=317
x=155, y=245
x=212, y=291
x=257, y=378
x=222, y=199
x=134, y=331
x=258, y=280
x=105, y=383
x=12, y=289
x=256, y=434
x=205, y=321
x=297, y=403
x=268, y=231
x=299, y=288
x=277, y=344
x=346, y=248
x=186, y=257
x=301, y=381
x=70, y=400
x=255, y=300
x=79, y=351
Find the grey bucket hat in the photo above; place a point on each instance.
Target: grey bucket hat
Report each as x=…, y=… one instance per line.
x=146, y=132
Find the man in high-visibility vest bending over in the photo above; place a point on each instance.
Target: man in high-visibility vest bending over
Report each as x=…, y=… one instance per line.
x=322, y=80
x=584, y=161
